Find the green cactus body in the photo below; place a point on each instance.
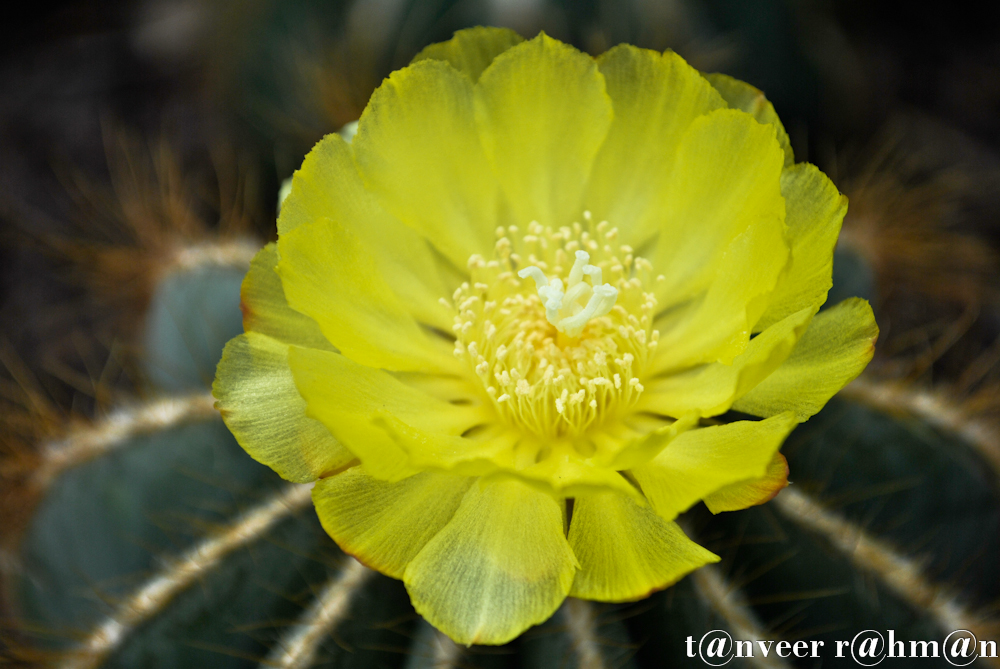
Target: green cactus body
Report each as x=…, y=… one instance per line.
x=159, y=543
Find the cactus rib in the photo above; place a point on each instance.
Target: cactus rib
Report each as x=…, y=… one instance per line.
x=431, y=649
x=196, y=561
x=933, y=407
x=236, y=253
x=297, y=650
x=901, y=574
x=582, y=630
x=447, y=653
x=91, y=441
x=729, y=602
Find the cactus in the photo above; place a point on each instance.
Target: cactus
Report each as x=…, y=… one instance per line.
x=147, y=536
x=156, y=541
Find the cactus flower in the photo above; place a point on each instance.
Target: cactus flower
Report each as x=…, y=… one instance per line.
x=498, y=327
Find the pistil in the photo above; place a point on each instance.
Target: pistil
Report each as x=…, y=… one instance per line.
x=564, y=310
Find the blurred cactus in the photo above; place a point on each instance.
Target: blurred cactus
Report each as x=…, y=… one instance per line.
x=153, y=540
x=147, y=537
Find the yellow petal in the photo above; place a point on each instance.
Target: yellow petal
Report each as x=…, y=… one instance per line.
x=726, y=179
x=711, y=389
x=837, y=347
x=265, y=309
x=814, y=212
x=700, y=462
x=542, y=113
x=500, y=566
x=626, y=551
x=741, y=95
x=566, y=472
x=619, y=452
x=385, y=525
x=500, y=453
x=472, y=50
x=419, y=152
x=329, y=186
x=454, y=389
x=655, y=98
x=482, y=453
x=717, y=326
x=329, y=275
x=346, y=397
x=260, y=404
x=745, y=494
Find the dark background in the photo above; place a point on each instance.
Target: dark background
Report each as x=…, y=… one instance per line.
x=901, y=106
x=130, y=130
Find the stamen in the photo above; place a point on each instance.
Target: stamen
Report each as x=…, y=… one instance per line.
x=557, y=357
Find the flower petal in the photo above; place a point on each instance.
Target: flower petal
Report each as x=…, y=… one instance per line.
x=454, y=389
x=265, y=309
x=837, y=347
x=700, y=462
x=472, y=50
x=542, y=113
x=726, y=179
x=626, y=551
x=741, y=95
x=711, y=389
x=501, y=565
x=501, y=453
x=738, y=496
x=717, y=326
x=469, y=456
x=815, y=210
x=569, y=474
x=346, y=397
x=620, y=450
x=260, y=404
x=328, y=274
x=329, y=186
x=655, y=98
x=385, y=525
x=418, y=150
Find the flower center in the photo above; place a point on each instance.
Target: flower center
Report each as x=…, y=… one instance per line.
x=556, y=353
x=563, y=309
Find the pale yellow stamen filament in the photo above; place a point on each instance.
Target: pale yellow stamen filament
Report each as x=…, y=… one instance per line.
x=563, y=355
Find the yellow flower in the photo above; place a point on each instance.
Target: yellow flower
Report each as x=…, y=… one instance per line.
x=495, y=324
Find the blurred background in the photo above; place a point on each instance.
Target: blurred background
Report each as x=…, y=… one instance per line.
x=125, y=126
x=140, y=136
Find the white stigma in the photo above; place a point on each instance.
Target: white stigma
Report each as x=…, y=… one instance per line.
x=563, y=308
